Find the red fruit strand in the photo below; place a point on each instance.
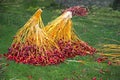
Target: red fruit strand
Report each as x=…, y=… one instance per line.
x=77, y=10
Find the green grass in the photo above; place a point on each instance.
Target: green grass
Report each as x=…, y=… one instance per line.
x=94, y=28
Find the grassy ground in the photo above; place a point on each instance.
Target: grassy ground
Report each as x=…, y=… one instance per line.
x=101, y=26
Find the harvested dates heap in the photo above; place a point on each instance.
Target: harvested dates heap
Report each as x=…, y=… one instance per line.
x=38, y=45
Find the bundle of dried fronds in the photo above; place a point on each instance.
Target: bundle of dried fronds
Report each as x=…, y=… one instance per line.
x=109, y=53
x=32, y=45
x=62, y=32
